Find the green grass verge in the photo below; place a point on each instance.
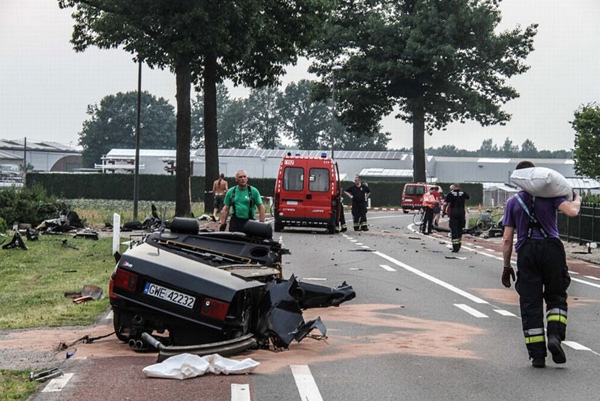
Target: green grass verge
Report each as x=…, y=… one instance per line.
x=33, y=282
x=15, y=385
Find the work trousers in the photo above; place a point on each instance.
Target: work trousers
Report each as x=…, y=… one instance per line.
x=457, y=223
x=542, y=275
x=359, y=216
x=427, y=226
x=236, y=224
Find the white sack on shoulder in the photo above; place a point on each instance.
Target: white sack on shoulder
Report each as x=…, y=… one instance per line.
x=542, y=182
x=182, y=366
x=187, y=366
x=227, y=366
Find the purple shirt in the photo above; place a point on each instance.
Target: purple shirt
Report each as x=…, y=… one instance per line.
x=545, y=212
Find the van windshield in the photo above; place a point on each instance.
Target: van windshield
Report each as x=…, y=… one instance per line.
x=293, y=178
x=318, y=180
x=415, y=190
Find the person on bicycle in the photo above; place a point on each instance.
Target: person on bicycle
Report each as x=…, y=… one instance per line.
x=455, y=200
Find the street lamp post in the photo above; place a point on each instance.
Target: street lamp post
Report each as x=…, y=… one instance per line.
x=333, y=109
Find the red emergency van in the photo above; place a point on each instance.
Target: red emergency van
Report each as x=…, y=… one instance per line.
x=307, y=193
x=412, y=195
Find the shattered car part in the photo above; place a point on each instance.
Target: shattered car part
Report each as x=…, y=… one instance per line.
x=224, y=348
x=212, y=287
x=16, y=242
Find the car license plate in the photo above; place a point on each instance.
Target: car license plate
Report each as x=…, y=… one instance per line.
x=292, y=202
x=169, y=295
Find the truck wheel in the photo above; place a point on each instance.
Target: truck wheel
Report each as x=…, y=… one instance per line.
x=330, y=229
x=278, y=226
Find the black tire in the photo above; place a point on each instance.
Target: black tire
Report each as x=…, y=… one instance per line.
x=278, y=226
x=185, y=225
x=483, y=225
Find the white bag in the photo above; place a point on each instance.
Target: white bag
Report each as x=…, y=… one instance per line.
x=542, y=182
x=182, y=366
x=187, y=366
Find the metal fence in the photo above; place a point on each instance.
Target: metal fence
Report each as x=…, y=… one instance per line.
x=583, y=228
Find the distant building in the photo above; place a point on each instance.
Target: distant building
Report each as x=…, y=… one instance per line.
x=43, y=156
x=369, y=165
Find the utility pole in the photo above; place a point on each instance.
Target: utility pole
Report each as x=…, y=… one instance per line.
x=333, y=108
x=136, y=175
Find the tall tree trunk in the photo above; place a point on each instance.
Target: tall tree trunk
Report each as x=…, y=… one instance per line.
x=418, y=112
x=184, y=116
x=211, y=147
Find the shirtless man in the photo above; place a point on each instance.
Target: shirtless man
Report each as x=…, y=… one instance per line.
x=220, y=188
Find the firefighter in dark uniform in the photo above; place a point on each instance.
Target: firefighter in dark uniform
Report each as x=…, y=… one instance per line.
x=542, y=271
x=455, y=200
x=359, y=193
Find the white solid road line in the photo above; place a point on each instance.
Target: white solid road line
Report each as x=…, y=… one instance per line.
x=240, y=392
x=306, y=383
x=435, y=280
x=585, y=282
x=57, y=384
x=470, y=310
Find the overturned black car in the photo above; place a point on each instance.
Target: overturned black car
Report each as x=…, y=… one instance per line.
x=206, y=287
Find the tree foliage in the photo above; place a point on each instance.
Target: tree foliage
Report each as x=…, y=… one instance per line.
x=489, y=149
x=435, y=61
x=112, y=124
x=587, y=140
x=304, y=121
x=203, y=42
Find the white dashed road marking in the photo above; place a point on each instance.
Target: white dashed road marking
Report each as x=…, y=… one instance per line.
x=57, y=384
x=470, y=310
x=240, y=392
x=306, y=383
x=388, y=268
x=504, y=312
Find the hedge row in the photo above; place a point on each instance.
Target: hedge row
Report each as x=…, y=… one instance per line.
x=162, y=187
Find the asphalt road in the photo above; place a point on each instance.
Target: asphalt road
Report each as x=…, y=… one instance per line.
x=426, y=324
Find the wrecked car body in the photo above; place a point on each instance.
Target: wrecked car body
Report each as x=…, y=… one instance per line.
x=213, y=287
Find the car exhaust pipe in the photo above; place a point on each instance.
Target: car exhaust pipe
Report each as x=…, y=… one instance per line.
x=131, y=343
x=223, y=348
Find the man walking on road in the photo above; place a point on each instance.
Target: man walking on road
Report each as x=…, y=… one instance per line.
x=455, y=200
x=242, y=199
x=359, y=193
x=542, y=271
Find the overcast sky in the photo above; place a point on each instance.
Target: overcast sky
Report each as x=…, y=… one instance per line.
x=45, y=87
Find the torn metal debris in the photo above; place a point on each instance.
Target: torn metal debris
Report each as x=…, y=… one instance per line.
x=195, y=289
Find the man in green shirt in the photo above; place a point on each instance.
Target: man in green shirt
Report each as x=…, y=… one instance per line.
x=242, y=199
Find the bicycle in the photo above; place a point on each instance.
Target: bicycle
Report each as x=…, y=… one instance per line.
x=490, y=221
x=419, y=216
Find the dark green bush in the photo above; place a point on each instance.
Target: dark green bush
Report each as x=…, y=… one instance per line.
x=27, y=205
x=3, y=226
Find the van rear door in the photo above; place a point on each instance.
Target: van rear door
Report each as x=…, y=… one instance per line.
x=292, y=189
x=320, y=184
